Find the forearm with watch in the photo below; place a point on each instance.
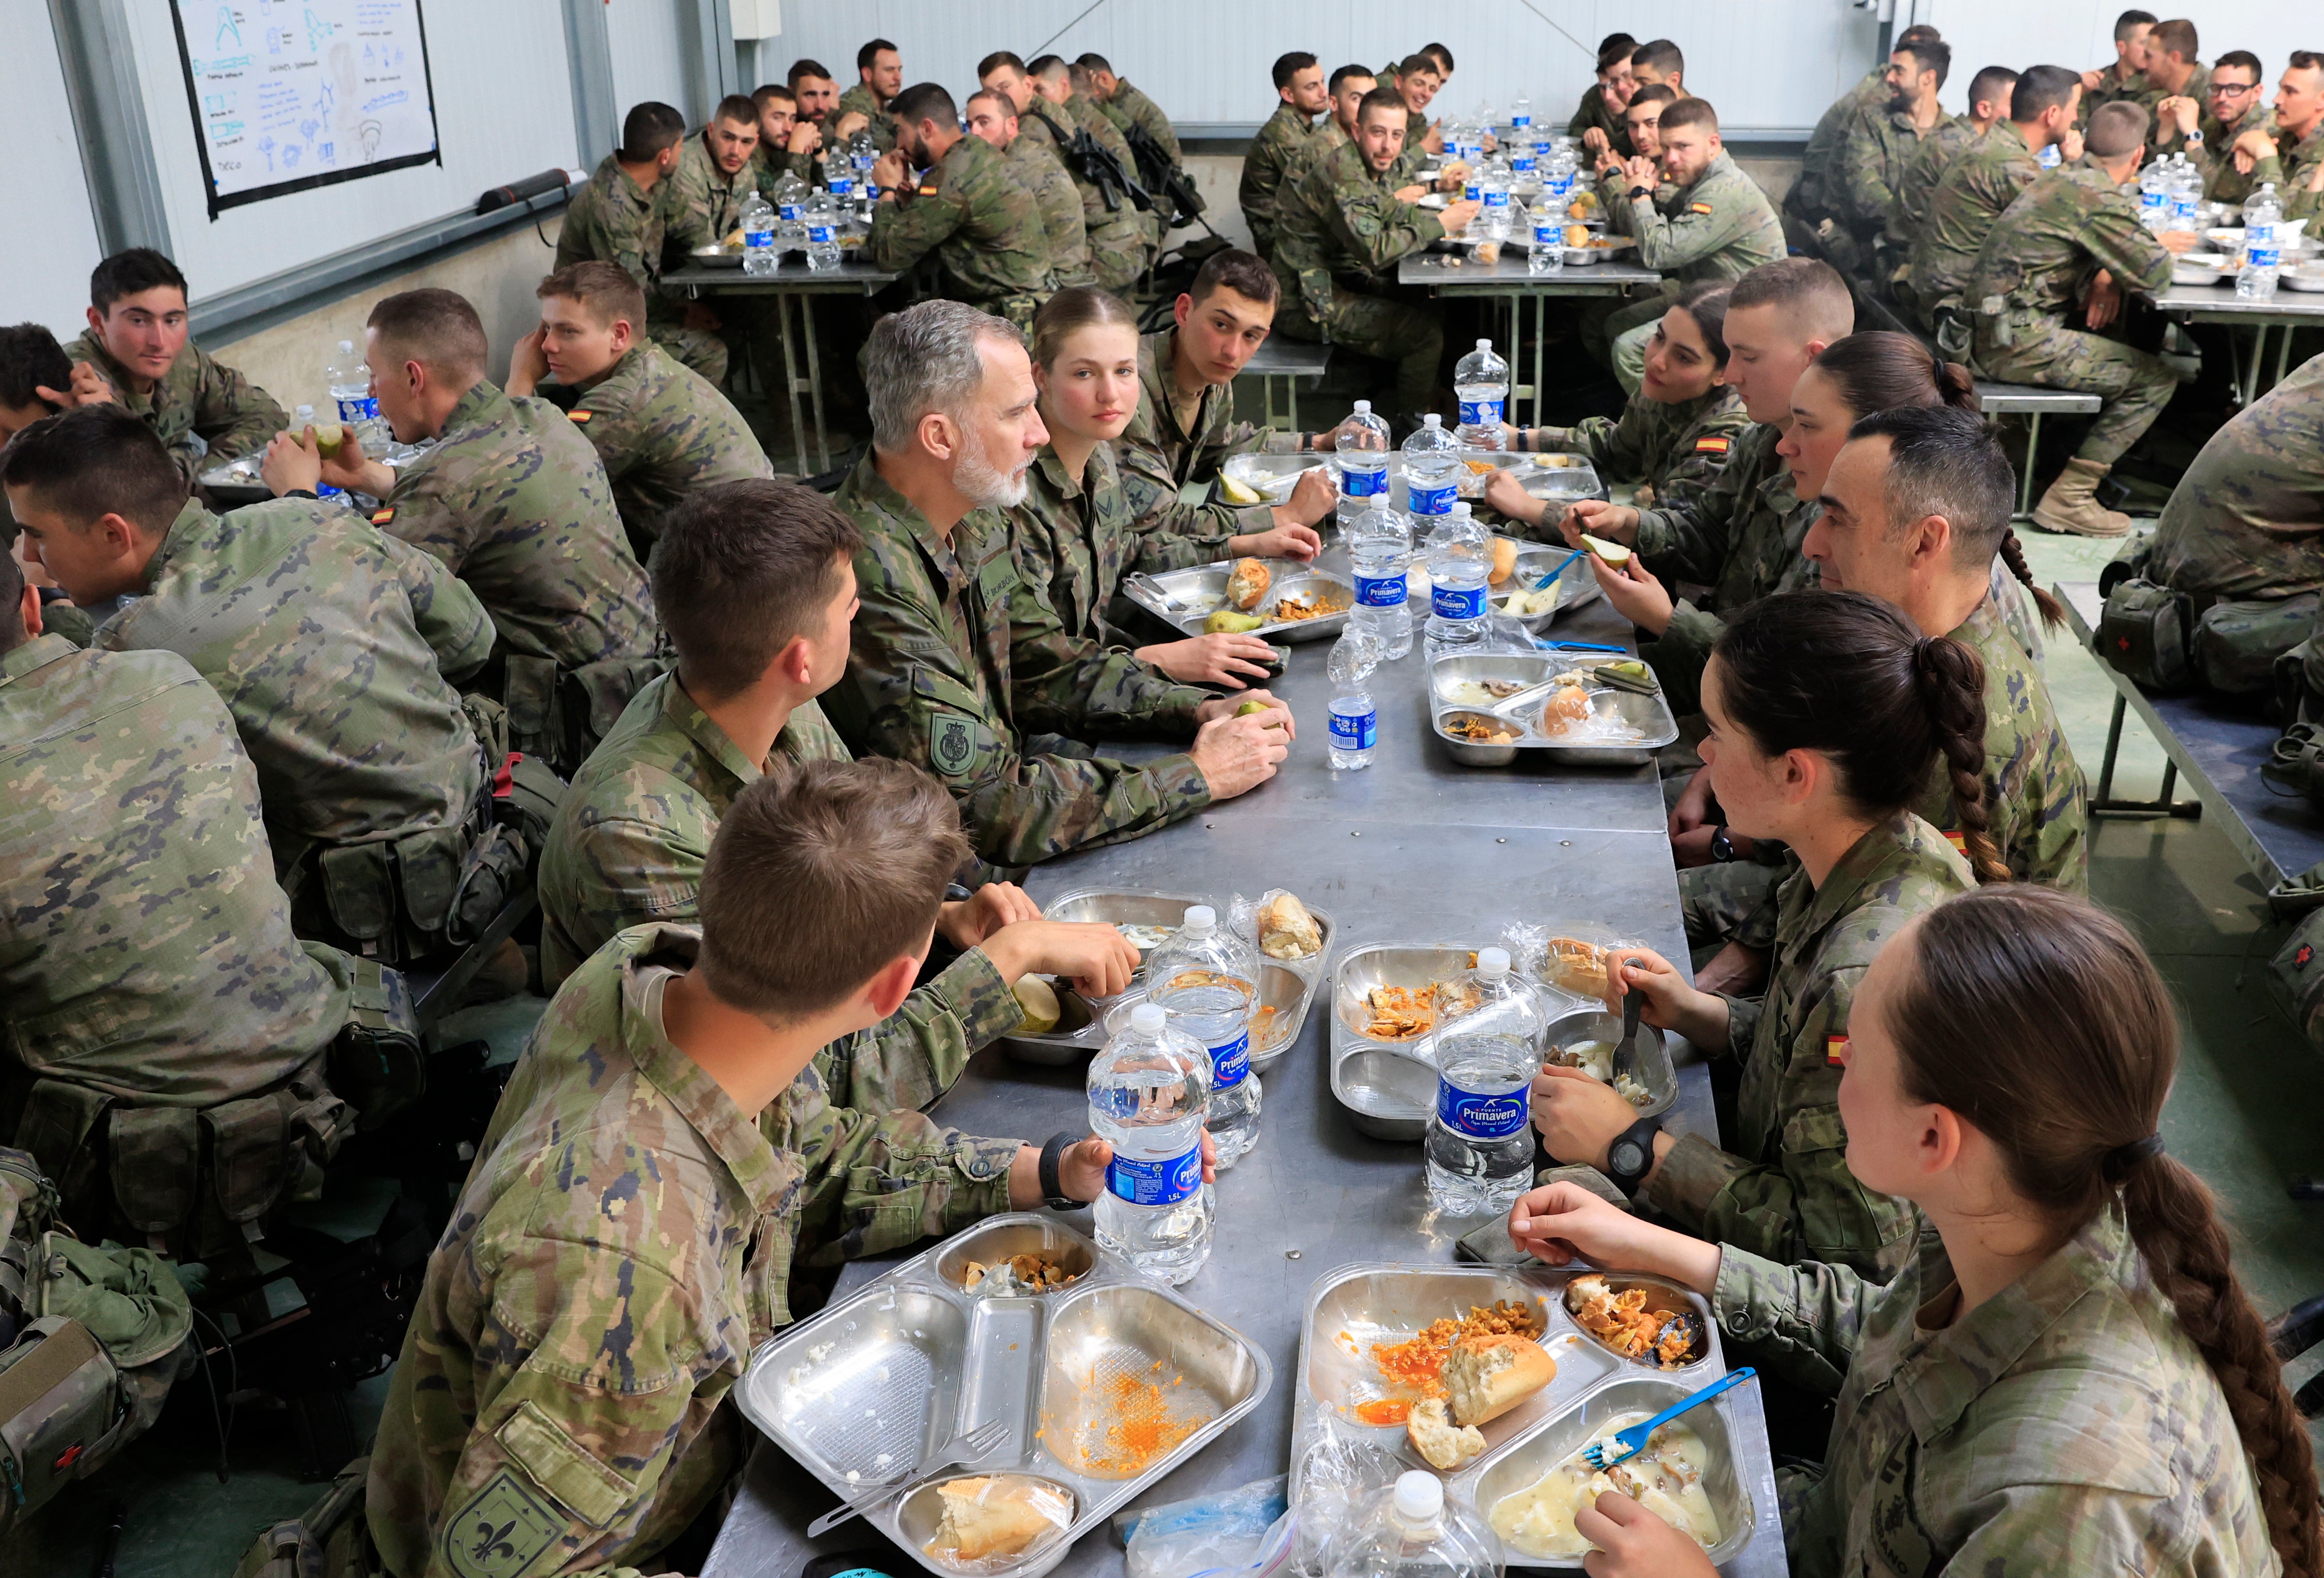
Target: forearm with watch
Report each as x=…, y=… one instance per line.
x=1034, y=1177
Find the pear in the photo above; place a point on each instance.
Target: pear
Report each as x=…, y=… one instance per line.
x=1613, y=554
x=328, y=436
x=1037, y=1006
x=1227, y=621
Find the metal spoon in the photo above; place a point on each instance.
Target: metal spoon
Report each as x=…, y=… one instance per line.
x=1626, y=1051
x=962, y=1448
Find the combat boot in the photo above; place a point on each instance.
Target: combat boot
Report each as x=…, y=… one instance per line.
x=2070, y=503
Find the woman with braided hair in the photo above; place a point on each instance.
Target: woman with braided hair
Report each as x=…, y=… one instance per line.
x=2070, y=1379
x=1829, y=713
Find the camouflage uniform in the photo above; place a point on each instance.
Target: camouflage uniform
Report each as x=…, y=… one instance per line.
x=1339, y=230
x=1265, y=167
x=1875, y=158
x=199, y=398
x=329, y=643
x=985, y=229
x=863, y=101
x=2038, y=259
x=1129, y=107
x=705, y=204
x=957, y=663
x=624, y=1240
x=1038, y=170
x=1074, y=539
x=1084, y=111
x=2198, y=87
x=1592, y=112
x=2222, y=181
x=1968, y=197
x=1158, y=457
x=1908, y=205
x=1115, y=237
x=2066, y=1425
x=770, y=165
x=1785, y=1191
x=2304, y=156
x=1811, y=196
x=613, y=220
x=2113, y=86
x=2246, y=519
x=661, y=431
x=1720, y=227
x=1675, y=450
x=627, y=849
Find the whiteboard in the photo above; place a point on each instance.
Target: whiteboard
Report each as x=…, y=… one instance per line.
x=290, y=94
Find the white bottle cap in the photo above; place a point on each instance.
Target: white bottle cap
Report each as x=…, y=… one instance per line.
x=346, y=344
x=1432, y=420
x=1363, y=407
x=1419, y=1497
x=1484, y=345
x=1492, y=963
x=1199, y=921
x=1148, y=1019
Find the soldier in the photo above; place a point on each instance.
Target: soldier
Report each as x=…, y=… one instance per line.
x=716, y=169
x=1642, y=126
x=660, y=428
x=2072, y=241
x=2172, y=71
x=1115, y=238
x=1660, y=63
x=816, y=94
x=787, y=144
x=1067, y=89
x=1346, y=90
x=618, y=219
x=879, y=77
x=36, y=381
x=1299, y=84
x=956, y=662
x=1126, y=108
x=1908, y=207
x=1876, y=151
x=168, y=985
x=664, y=1159
x=1035, y=164
x=2126, y=76
x=1184, y=425
x=515, y=500
x=984, y=227
x=1416, y=79
x=764, y=575
x=369, y=786
x=2075, y=1374
x=1716, y=223
x=136, y=353
x=2209, y=133
x=2299, y=111
x=1984, y=181
x=1598, y=119
x=1816, y=195
x=1342, y=229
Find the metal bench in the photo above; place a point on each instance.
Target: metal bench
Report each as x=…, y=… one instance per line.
x=1290, y=360
x=2033, y=402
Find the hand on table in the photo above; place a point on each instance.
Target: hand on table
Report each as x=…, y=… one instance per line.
x=966, y=922
x=1577, y=1116
x=1634, y=1543
x=1288, y=538
x=1506, y=494
x=1237, y=754
x=1096, y=957
x=1556, y=1223
x=1212, y=660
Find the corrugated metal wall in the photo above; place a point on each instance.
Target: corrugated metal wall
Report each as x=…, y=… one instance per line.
x=645, y=37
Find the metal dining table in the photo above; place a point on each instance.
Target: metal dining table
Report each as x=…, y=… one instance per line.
x=2283, y=314
x=1415, y=848
x=1510, y=279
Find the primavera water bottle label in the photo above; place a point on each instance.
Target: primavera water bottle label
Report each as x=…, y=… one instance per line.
x=1523, y=162
x=758, y=238
x=1497, y=198
x=1380, y=591
x=1547, y=236
x=1356, y=484
x=1432, y=501
x=2261, y=257
x=792, y=213
x=2049, y=157
x=1473, y=192
x=842, y=186
x=820, y=236
x=1229, y=1064
x=1352, y=732
x=1156, y=1182
x=1457, y=602
x=1481, y=1117
x=364, y=410
x=1480, y=414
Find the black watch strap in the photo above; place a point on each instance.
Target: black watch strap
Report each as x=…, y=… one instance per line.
x=1635, y=1146
x=1722, y=848
x=1052, y=1187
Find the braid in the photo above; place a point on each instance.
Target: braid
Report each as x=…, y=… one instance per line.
x=2174, y=1221
x=2012, y=554
x=1952, y=681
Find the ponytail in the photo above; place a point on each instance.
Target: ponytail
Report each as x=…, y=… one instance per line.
x=1956, y=386
x=2012, y=554
x=1952, y=680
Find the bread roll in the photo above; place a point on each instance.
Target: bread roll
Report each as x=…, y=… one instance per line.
x=992, y=1517
x=1435, y=1436
x=1249, y=583
x=1486, y=1376
x=1577, y=967
x=1286, y=931
x=1505, y=559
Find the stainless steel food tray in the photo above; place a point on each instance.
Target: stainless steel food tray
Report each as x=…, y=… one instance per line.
x=1649, y=716
x=1285, y=985
x=1185, y=598
x=1389, y=1087
x=1271, y=476
x=1576, y=588
x=898, y=1369
x=1355, y=1306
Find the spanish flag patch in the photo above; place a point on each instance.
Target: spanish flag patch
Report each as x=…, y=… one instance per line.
x=1712, y=444
x=1833, y=1045
x=1959, y=843
x=1697, y=207
x=581, y=417
x=381, y=517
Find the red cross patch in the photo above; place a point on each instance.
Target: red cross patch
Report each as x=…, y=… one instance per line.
x=2305, y=953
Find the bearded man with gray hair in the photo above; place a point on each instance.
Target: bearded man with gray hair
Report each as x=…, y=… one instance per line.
x=958, y=666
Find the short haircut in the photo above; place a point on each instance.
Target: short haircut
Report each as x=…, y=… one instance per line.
x=2174, y=37
x=130, y=273
x=739, y=108
x=926, y=359
x=802, y=69
x=435, y=328
x=1617, y=53
x=999, y=102
x=1415, y=64
x=1380, y=98
x=1705, y=302
x=925, y=101
x=1920, y=33
x=1653, y=93
x=821, y=875
x=1348, y=73
x=1690, y=112
x=1076, y=307
x=772, y=93
x=2040, y=90
x=1049, y=67
x=995, y=60
x=2128, y=24
x=1929, y=55
x=647, y=129
x=1943, y=460
x=1804, y=288
x=1234, y=269
x=740, y=570
x=1993, y=86
x=606, y=291
x=1289, y=65
x=869, y=55
x=12, y=634
x=2305, y=60
x=2241, y=58
x=1094, y=61
x=2117, y=129
x=1662, y=55
x=95, y=461
x=1079, y=76
x=1440, y=55
x=30, y=360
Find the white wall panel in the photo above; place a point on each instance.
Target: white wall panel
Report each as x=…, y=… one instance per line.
x=43, y=279
x=2080, y=34
x=647, y=38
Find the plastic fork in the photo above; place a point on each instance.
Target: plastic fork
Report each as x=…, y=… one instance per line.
x=1563, y=565
x=1625, y=1060
x=1633, y=1441
x=1548, y=646
x=960, y=1449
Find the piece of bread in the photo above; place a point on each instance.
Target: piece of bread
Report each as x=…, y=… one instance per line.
x=1486, y=1376
x=1577, y=967
x=1286, y=931
x=1435, y=1436
x=987, y=1517
x=1505, y=559
x=1249, y=583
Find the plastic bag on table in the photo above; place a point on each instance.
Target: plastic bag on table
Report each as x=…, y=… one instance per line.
x=1248, y=1532
x=1338, y=1472
x=993, y=1523
x=1298, y=940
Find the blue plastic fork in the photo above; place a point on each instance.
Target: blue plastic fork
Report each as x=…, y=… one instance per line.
x=1563, y=565
x=1548, y=646
x=1633, y=1441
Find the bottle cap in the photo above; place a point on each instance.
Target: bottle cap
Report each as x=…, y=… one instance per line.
x=1492, y=963
x=1200, y=920
x=1363, y=407
x=1432, y=420
x=1148, y=1019
x=1419, y=1497
x=1484, y=345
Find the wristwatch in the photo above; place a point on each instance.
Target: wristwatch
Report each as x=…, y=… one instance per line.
x=1631, y=1156
x=1722, y=848
x=1052, y=1187
x=1641, y=191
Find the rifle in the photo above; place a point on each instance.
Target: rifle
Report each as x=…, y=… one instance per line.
x=1097, y=166
x=1160, y=175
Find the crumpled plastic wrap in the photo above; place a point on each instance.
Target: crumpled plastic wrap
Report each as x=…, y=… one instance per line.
x=1340, y=1468
x=1248, y=1532
x=1053, y=1503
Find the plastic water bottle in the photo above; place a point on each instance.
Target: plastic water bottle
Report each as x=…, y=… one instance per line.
x=1549, y=255
x=1355, y=718
x=1362, y=446
x=1413, y=1530
x=1206, y=979
x=2049, y=157
x=1459, y=562
x=1431, y=468
x=1494, y=183
x=2262, y=249
x=1148, y=1092
x=1481, y=384
x=2186, y=194
x=300, y=421
x=349, y=382
x=790, y=213
x=1521, y=120
x=839, y=177
x=2154, y=197
x=1480, y=1146
x=760, y=255
x=1380, y=546
x=1525, y=168
x=821, y=232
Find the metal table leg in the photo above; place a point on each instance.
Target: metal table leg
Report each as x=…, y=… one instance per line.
x=2283, y=357
x=791, y=378
x=815, y=388
x=1290, y=401
x=2104, y=804
x=2113, y=744
x=2025, y=493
